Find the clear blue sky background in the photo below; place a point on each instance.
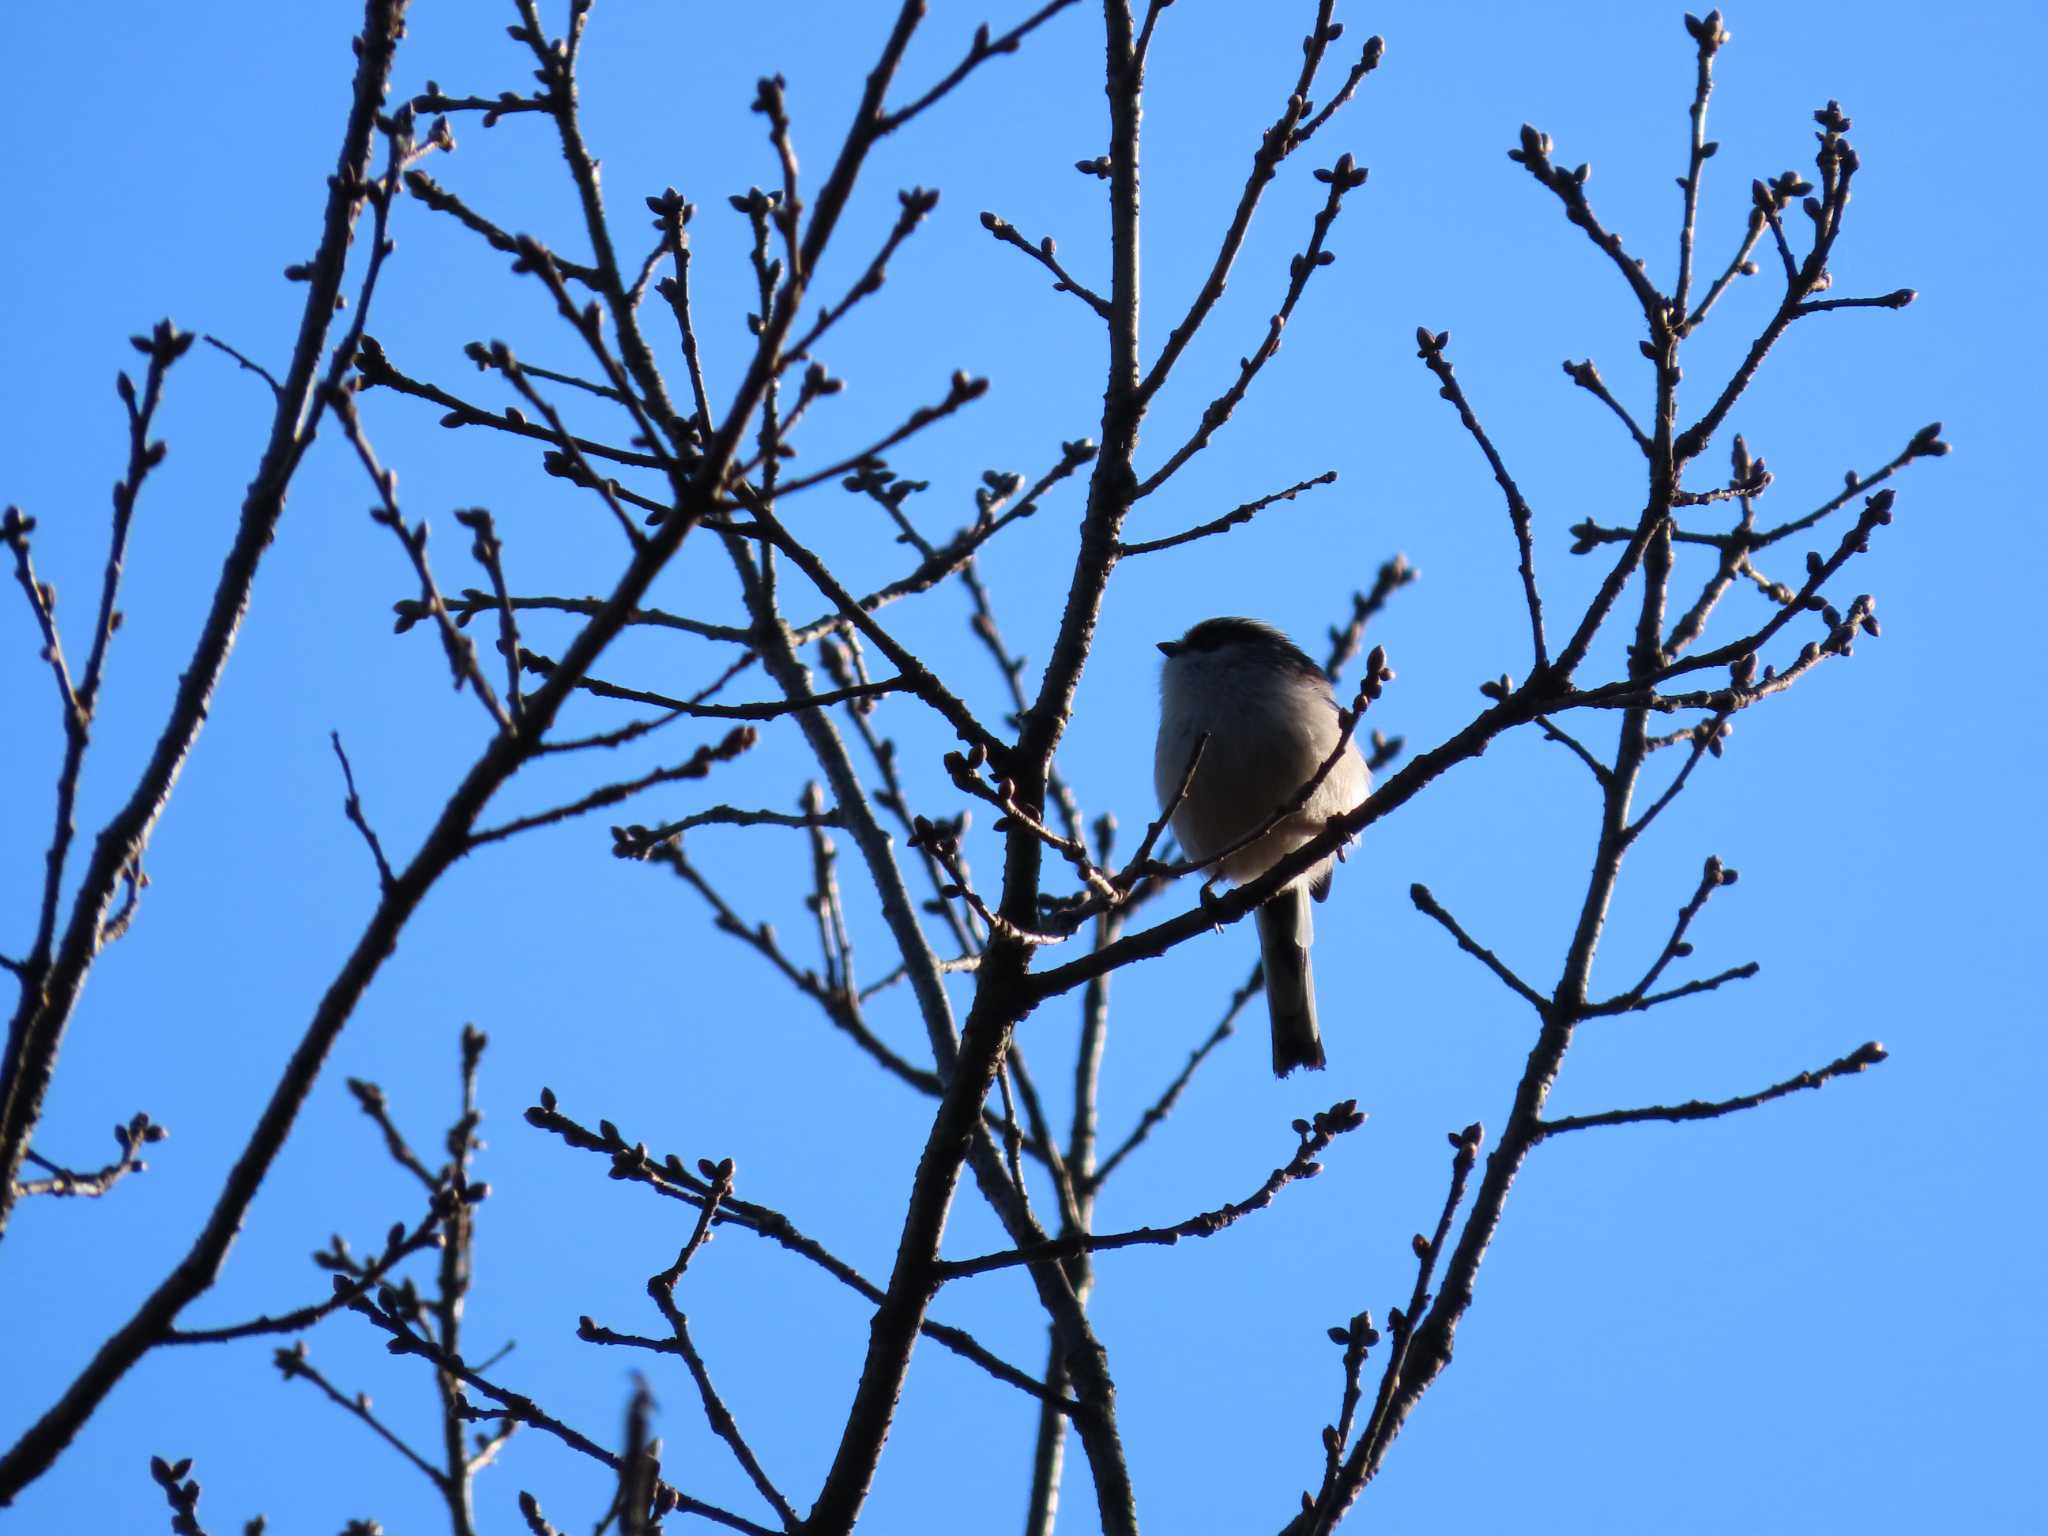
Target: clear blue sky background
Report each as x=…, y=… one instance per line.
x=1821, y=1316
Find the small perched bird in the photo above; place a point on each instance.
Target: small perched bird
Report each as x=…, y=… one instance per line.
x=1271, y=723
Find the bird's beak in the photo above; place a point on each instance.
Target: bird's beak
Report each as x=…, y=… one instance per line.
x=1169, y=647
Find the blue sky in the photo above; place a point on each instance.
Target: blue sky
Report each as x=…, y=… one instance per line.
x=1819, y=1316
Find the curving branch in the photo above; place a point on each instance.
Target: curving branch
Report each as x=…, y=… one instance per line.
x=1430, y=348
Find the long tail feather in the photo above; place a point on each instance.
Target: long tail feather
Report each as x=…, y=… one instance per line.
x=1284, y=937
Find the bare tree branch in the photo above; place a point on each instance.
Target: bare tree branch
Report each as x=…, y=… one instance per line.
x=1866, y=1055
x=1231, y=519
x=44, y=1010
x=1315, y=1137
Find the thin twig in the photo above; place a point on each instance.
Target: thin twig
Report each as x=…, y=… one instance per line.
x=1533, y=154
x=1713, y=875
x=697, y=766
x=961, y=391
x=1345, y=176
x=374, y=367
x=1866, y=1055
x=637, y=842
x=1587, y=377
x=1315, y=1136
x=1339, y=1490
x=1554, y=732
x=353, y=808
x=405, y=1340
x=351, y=1280
x=982, y=49
x=489, y=552
x=1043, y=254
x=1706, y=737
x=132, y=1136
x=295, y=1366
x=1430, y=348
x=1429, y=906
x=1275, y=144
x=462, y=657
x=1161, y=1107
x=252, y=367
x=1346, y=643
x=671, y=1179
x=38, y=1028
x=1230, y=519
x=1640, y=1002
x=766, y=709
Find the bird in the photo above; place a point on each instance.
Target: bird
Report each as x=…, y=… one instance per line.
x=1270, y=721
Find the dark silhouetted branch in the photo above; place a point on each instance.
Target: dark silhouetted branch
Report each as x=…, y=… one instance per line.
x=1867, y=1055
x=1231, y=519
x=1430, y=907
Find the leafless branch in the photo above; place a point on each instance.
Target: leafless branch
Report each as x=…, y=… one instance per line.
x=1315, y=1136
x=44, y=1012
x=294, y=1366
x=696, y=766
x=246, y=364
x=1867, y=1055
x=131, y=1136
x=1229, y=520
x=462, y=657
x=671, y=1179
x=1430, y=348
x=1157, y=1111
x=1553, y=732
x=1345, y=176
x=980, y=51
x=1341, y=1484
x=405, y=1340
x=1429, y=906
x=1587, y=377
x=353, y=808
x=351, y=1280
x=1043, y=254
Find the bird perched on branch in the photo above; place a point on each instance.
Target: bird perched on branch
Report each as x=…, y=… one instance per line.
x=1249, y=762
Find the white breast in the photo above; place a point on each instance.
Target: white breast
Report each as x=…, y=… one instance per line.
x=1269, y=728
